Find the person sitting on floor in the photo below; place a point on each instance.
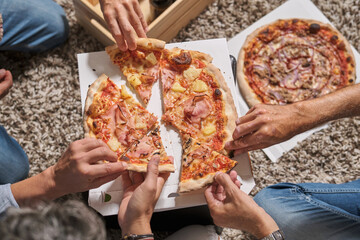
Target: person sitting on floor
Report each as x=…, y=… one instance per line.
x=305, y=210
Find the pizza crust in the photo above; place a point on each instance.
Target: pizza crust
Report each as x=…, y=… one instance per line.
x=190, y=145
x=150, y=43
x=93, y=89
x=248, y=94
x=201, y=56
x=143, y=167
x=230, y=110
x=192, y=184
x=246, y=91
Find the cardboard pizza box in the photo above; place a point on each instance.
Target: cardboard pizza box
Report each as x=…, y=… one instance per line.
x=291, y=9
x=106, y=198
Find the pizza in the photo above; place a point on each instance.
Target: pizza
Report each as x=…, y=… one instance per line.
x=196, y=102
x=140, y=66
x=114, y=116
x=292, y=60
x=206, y=110
x=142, y=151
x=200, y=163
x=179, y=69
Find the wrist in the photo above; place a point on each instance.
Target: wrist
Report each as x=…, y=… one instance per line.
x=266, y=225
x=149, y=236
x=50, y=186
x=306, y=116
x=136, y=227
x=36, y=188
x=276, y=235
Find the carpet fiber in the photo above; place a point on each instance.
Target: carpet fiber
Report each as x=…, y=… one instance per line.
x=43, y=109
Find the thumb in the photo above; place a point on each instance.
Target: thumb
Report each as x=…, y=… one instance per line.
x=225, y=181
x=152, y=170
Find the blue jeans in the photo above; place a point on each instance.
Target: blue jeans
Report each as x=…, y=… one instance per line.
x=318, y=211
x=14, y=164
x=32, y=25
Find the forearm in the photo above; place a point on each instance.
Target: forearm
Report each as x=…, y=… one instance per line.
x=37, y=188
x=340, y=104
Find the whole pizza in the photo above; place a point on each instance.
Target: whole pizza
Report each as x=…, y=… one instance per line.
x=292, y=60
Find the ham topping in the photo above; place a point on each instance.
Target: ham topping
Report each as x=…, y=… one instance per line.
x=200, y=153
x=143, y=149
x=167, y=78
x=197, y=109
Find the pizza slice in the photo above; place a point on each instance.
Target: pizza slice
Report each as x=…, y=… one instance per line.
x=112, y=115
x=206, y=110
x=178, y=69
x=139, y=154
x=200, y=164
x=139, y=66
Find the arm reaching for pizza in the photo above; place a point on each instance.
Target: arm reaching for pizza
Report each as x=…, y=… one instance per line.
x=139, y=199
x=265, y=125
x=76, y=171
x=6, y=82
x=231, y=207
x=125, y=21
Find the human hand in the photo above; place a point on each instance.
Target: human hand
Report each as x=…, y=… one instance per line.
x=265, y=125
x=6, y=82
x=231, y=207
x=78, y=169
x=140, y=197
x=125, y=20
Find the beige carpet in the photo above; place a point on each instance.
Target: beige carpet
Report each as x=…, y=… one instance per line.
x=43, y=109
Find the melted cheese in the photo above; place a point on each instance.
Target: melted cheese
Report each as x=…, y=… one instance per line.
x=208, y=129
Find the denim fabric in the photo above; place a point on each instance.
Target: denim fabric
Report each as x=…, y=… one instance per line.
x=32, y=25
x=6, y=199
x=14, y=164
x=314, y=210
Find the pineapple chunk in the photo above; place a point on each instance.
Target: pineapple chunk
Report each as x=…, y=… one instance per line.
x=177, y=87
x=134, y=80
x=192, y=73
x=151, y=58
x=199, y=86
x=139, y=124
x=209, y=129
x=114, y=144
x=124, y=92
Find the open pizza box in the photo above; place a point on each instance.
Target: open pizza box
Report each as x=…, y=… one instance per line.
x=106, y=198
x=291, y=9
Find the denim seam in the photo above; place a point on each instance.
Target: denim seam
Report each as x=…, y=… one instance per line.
x=312, y=201
x=344, y=190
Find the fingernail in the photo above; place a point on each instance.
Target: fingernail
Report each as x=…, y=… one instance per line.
x=217, y=174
